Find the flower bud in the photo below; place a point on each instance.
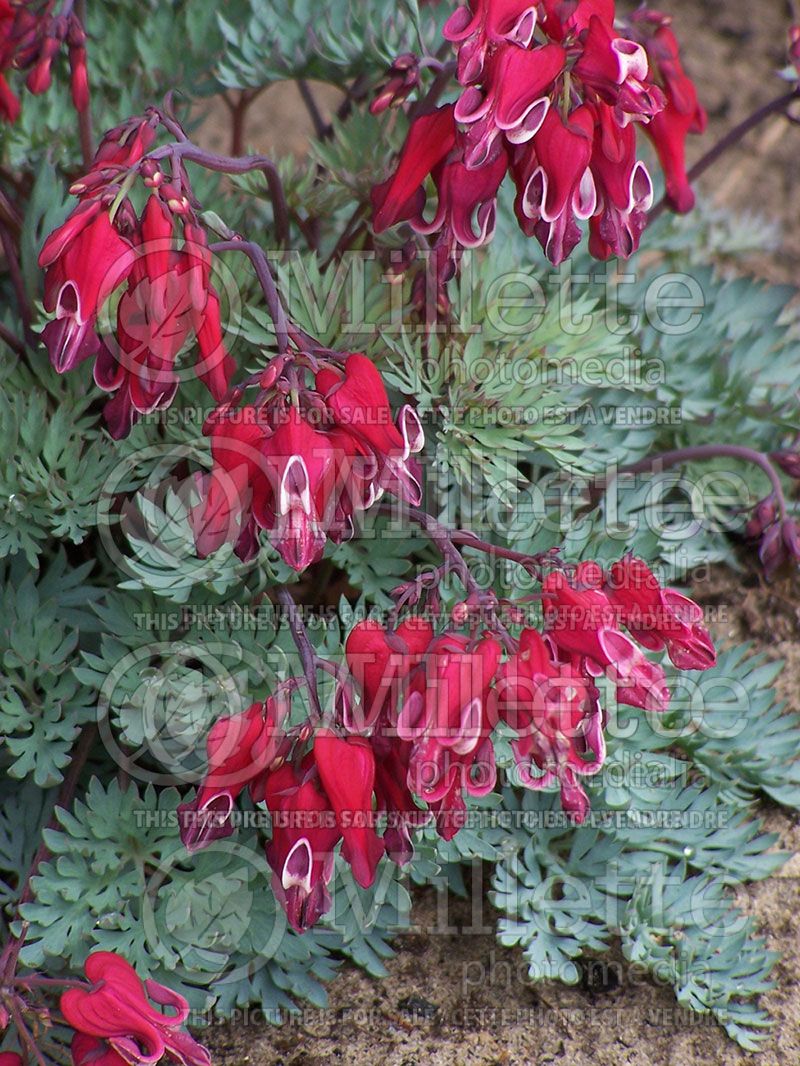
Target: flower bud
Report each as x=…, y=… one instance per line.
x=763, y=516
x=79, y=78
x=788, y=461
x=40, y=78
x=402, y=77
x=772, y=551
x=151, y=173
x=790, y=537
x=174, y=199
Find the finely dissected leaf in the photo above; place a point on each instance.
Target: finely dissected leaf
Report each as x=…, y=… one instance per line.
x=42, y=703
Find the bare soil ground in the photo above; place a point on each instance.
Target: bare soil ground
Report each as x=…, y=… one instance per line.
x=459, y=998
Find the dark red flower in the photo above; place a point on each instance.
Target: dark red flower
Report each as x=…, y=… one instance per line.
x=394, y=798
x=657, y=617
x=240, y=750
x=359, y=404
x=582, y=622
x=430, y=139
x=304, y=834
x=116, y=1017
x=346, y=768
x=445, y=715
x=569, y=18
x=168, y=300
x=617, y=70
x=513, y=102
x=482, y=25
x=9, y=102
x=681, y=116
x=467, y=204
x=541, y=94
x=624, y=188
x=304, y=473
x=401, y=78
x=85, y=259
x=380, y=661
x=30, y=40
x=124, y=145
x=556, y=714
x=239, y=474
x=299, y=461
x=555, y=186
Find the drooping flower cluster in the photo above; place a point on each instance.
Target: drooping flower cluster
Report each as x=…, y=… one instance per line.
x=548, y=692
x=412, y=724
x=552, y=92
x=31, y=36
x=116, y=1023
x=163, y=259
x=305, y=460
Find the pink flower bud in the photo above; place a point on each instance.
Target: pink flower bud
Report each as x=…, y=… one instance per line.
x=788, y=461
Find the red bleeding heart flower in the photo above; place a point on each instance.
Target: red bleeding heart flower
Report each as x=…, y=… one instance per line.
x=304, y=834
x=85, y=259
x=402, y=77
x=394, y=798
x=115, y=1020
x=482, y=25
x=556, y=714
x=514, y=102
x=657, y=617
x=681, y=116
x=430, y=139
x=241, y=749
x=239, y=474
x=347, y=770
x=555, y=185
x=624, y=188
x=617, y=70
x=467, y=201
x=445, y=715
x=30, y=40
x=168, y=300
x=9, y=102
x=582, y=622
x=299, y=462
x=359, y=404
x=568, y=19
x=560, y=79
x=380, y=662
x=305, y=472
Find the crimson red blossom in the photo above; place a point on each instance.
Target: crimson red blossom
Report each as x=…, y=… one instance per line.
x=555, y=710
x=444, y=715
x=301, y=849
x=409, y=735
x=552, y=93
x=240, y=751
x=116, y=1023
x=657, y=617
x=582, y=624
x=682, y=114
x=32, y=33
x=169, y=304
x=305, y=470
